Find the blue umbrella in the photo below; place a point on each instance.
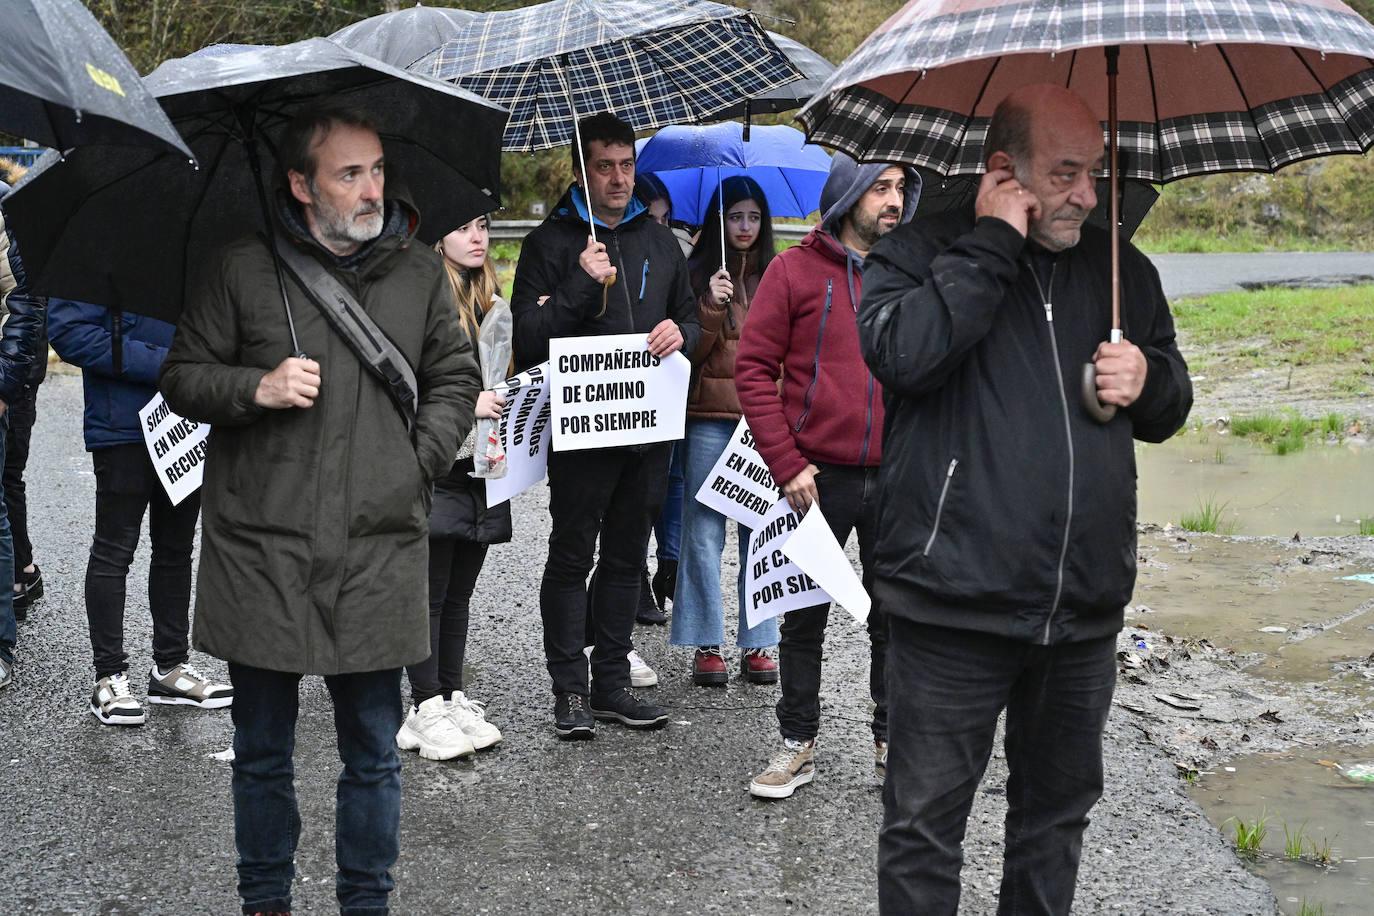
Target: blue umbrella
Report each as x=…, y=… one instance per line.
x=692, y=161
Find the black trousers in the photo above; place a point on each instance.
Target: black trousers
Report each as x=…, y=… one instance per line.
x=454, y=566
x=126, y=486
x=849, y=500
x=23, y=414
x=614, y=495
x=948, y=688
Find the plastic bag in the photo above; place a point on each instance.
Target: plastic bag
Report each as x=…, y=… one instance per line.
x=494, y=352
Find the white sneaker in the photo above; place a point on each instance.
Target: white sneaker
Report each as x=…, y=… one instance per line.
x=431, y=731
x=112, y=704
x=471, y=718
x=641, y=675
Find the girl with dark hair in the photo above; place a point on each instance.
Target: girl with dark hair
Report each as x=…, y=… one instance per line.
x=724, y=282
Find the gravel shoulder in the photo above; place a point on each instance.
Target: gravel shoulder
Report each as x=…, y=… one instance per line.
x=139, y=821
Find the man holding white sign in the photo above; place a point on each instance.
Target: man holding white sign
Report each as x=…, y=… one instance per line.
x=821, y=430
x=605, y=268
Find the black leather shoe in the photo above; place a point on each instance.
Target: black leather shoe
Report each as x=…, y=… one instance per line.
x=647, y=612
x=572, y=720
x=629, y=710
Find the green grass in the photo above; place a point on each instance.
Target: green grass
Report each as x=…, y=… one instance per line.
x=1282, y=327
x=1245, y=241
x=1250, y=836
x=1366, y=527
x=1321, y=854
x=1286, y=432
x=1209, y=518
x=1311, y=909
x=1294, y=841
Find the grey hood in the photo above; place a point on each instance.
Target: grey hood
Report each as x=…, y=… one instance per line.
x=847, y=183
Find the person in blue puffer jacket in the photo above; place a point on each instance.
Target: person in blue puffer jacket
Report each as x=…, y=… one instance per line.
x=120, y=355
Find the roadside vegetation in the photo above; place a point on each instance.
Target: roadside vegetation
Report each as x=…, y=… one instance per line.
x=1208, y=518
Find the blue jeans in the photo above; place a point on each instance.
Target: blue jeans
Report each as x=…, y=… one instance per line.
x=367, y=817
x=947, y=688
x=698, y=608
x=9, y=630
x=668, y=526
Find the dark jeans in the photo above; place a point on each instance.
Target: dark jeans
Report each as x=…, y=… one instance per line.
x=126, y=486
x=613, y=494
x=668, y=526
x=23, y=413
x=9, y=630
x=948, y=688
x=454, y=565
x=849, y=499
x=367, y=813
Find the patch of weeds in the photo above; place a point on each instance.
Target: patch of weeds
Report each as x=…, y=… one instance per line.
x=1219, y=457
x=1208, y=518
x=1366, y=527
x=1311, y=909
x=1250, y=836
x=1286, y=433
x=1333, y=426
x=1321, y=854
x=1289, y=444
x=1294, y=841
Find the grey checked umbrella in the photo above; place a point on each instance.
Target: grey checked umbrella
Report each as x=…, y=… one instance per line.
x=650, y=62
x=1205, y=85
x=403, y=37
x=814, y=68
x=64, y=83
x=1191, y=87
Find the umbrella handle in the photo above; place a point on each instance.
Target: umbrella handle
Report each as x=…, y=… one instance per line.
x=1100, y=412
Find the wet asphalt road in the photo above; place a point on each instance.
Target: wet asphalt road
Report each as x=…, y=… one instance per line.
x=102, y=820
x=1198, y=274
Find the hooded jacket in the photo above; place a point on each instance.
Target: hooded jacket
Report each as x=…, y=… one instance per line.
x=315, y=521
x=83, y=335
x=651, y=281
x=1006, y=509
x=24, y=339
x=802, y=330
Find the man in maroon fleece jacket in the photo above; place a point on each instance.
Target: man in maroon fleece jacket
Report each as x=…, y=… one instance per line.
x=820, y=431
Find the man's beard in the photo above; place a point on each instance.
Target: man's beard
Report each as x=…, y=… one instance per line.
x=870, y=229
x=339, y=227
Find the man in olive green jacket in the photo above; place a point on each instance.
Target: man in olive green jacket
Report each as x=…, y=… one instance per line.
x=315, y=501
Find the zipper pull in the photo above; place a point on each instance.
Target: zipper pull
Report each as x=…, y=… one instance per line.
x=953, y=463
x=1049, y=312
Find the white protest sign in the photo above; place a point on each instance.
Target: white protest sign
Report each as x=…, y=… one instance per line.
x=524, y=433
x=177, y=447
x=773, y=584
x=739, y=487
x=609, y=390
x=813, y=547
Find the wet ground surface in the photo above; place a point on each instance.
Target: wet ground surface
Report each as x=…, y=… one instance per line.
x=100, y=820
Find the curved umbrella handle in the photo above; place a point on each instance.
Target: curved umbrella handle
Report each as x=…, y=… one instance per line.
x=1100, y=412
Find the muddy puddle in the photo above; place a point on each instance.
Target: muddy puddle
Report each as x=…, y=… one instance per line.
x=1320, y=490
x=1318, y=849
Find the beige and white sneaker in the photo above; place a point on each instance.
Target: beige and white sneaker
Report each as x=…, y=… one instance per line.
x=793, y=766
x=112, y=704
x=430, y=730
x=471, y=718
x=641, y=675
x=185, y=686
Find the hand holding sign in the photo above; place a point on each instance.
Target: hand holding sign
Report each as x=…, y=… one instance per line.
x=665, y=338
x=294, y=383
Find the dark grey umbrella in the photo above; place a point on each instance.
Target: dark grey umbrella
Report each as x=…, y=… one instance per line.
x=125, y=229
x=403, y=37
x=64, y=83
x=814, y=69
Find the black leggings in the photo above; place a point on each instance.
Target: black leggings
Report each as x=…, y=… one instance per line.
x=453, y=569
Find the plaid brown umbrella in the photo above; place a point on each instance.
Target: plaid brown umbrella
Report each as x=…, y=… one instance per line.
x=1205, y=85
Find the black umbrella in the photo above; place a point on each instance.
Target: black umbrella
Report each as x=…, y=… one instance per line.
x=814, y=69
x=64, y=83
x=940, y=193
x=403, y=37
x=125, y=229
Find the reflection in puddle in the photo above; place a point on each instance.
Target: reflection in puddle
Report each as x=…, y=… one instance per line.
x=1263, y=493
x=1304, y=791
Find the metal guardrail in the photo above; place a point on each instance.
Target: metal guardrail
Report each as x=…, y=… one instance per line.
x=24, y=155
x=514, y=230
